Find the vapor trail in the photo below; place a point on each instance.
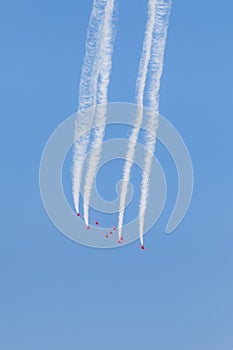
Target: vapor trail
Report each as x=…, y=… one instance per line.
x=88, y=91
x=109, y=29
x=156, y=68
x=140, y=86
x=150, y=71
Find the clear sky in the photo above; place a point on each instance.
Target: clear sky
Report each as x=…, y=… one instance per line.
x=56, y=294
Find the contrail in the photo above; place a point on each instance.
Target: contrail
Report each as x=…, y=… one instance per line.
x=88, y=91
x=156, y=67
x=150, y=71
x=140, y=87
x=102, y=98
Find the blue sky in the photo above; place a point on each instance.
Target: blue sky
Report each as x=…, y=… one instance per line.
x=56, y=294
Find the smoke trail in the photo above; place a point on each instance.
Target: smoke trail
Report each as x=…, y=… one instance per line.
x=87, y=92
x=140, y=86
x=102, y=98
x=156, y=68
x=150, y=68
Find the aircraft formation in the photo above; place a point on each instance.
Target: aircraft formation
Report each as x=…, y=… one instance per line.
x=110, y=232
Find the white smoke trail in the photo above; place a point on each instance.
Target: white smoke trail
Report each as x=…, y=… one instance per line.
x=156, y=69
x=87, y=91
x=140, y=86
x=102, y=98
x=151, y=66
